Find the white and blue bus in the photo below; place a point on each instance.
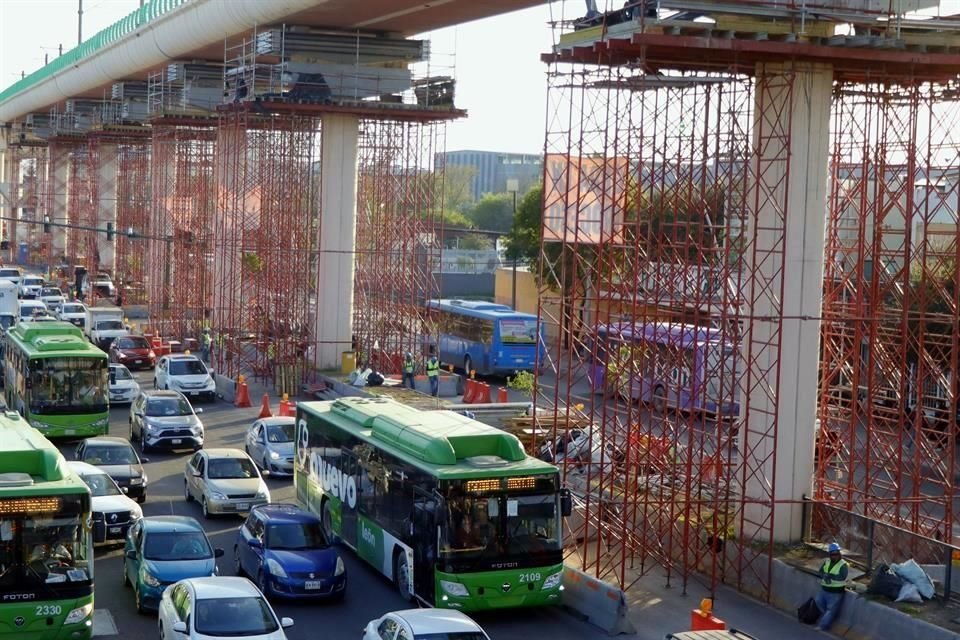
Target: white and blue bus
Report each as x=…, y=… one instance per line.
x=491, y=339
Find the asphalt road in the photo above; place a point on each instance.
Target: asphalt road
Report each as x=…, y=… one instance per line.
x=369, y=595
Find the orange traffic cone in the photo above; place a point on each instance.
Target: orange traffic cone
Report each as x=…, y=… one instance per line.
x=265, y=408
x=243, y=395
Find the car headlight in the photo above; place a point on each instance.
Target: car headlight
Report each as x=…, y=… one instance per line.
x=263, y=493
x=274, y=568
x=274, y=455
x=196, y=430
x=151, y=354
x=340, y=567
x=136, y=480
x=149, y=579
x=150, y=428
x=216, y=495
x=79, y=614
x=454, y=589
x=136, y=514
x=552, y=581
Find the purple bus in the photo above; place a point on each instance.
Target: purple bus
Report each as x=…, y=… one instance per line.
x=676, y=366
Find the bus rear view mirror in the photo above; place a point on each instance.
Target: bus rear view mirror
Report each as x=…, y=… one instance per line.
x=566, y=502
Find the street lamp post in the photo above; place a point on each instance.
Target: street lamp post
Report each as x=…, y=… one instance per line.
x=513, y=186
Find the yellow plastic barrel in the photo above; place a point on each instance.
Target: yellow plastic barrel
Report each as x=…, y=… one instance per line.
x=348, y=361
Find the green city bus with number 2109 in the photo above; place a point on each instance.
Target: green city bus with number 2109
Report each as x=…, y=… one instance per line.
x=46, y=545
x=56, y=379
x=453, y=511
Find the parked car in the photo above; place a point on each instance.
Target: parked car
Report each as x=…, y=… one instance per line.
x=159, y=551
x=52, y=297
x=218, y=607
x=269, y=442
x=117, y=458
x=73, y=312
x=30, y=287
x=284, y=549
x=224, y=481
x=185, y=373
x=113, y=512
x=424, y=623
x=165, y=419
x=133, y=351
x=124, y=388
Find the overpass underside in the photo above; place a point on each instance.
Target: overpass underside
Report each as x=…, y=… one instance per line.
x=778, y=193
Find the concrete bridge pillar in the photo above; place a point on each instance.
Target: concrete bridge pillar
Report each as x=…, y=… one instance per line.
x=338, y=223
x=106, y=205
x=58, y=168
x=791, y=136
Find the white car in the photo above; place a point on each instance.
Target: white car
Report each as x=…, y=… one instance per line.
x=30, y=308
x=113, y=511
x=13, y=274
x=123, y=386
x=30, y=287
x=52, y=297
x=218, y=606
x=73, y=312
x=224, y=481
x=269, y=442
x=186, y=374
x=424, y=623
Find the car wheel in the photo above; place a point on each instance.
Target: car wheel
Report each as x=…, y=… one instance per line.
x=264, y=462
x=124, y=580
x=142, y=498
x=237, y=567
x=155, y=384
x=203, y=506
x=139, y=601
x=401, y=576
x=262, y=583
x=186, y=492
x=144, y=448
x=467, y=365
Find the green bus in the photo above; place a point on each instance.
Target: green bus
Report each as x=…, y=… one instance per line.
x=454, y=512
x=56, y=379
x=46, y=546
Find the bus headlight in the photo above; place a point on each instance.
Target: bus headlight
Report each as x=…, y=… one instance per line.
x=454, y=589
x=274, y=568
x=79, y=614
x=103, y=422
x=552, y=581
x=39, y=425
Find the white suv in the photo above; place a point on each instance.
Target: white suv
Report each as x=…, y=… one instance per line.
x=30, y=287
x=186, y=374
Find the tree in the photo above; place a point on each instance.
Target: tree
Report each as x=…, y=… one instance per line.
x=455, y=187
x=493, y=212
x=523, y=241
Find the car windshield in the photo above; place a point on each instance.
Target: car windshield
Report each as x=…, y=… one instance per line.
x=160, y=407
x=187, y=368
x=71, y=308
x=121, y=373
x=32, y=282
x=249, y=616
x=109, y=325
x=109, y=455
x=176, y=545
x=9, y=273
x=227, y=468
x=453, y=635
x=280, y=433
x=101, y=485
x=305, y=535
x=135, y=342
x=49, y=293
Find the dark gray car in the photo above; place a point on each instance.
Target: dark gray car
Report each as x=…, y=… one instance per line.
x=165, y=420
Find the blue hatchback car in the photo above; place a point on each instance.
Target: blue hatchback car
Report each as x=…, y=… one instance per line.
x=161, y=550
x=283, y=548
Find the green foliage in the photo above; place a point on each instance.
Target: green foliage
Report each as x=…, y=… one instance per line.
x=493, y=212
x=475, y=241
x=523, y=241
x=522, y=381
x=252, y=262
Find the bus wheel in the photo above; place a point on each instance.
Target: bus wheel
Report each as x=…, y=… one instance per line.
x=659, y=399
x=401, y=575
x=467, y=365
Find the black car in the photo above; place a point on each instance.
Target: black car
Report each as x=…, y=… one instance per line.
x=117, y=457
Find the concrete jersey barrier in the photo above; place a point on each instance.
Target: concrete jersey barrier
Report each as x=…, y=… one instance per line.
x=602, y=604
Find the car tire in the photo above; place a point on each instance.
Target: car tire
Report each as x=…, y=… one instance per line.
x=138, y=602
x=203, y=507
x=401, y=576
x=237, y=567
x=265, y=467
x=142, y=498
x=186, y=492
x=124, y=580
x=262, y=583
x=155, y=384
x=144, y=447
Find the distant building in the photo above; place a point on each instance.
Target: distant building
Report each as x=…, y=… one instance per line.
x=494, y=168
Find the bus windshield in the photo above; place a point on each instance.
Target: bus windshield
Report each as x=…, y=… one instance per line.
x=497, y=527
x=44, y=550
x=68, y=385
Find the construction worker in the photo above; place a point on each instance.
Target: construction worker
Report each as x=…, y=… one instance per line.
x=433, y=373
x=833, y=585
x=408, y=367
x=205, y=341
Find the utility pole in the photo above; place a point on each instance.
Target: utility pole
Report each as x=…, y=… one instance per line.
x=80, y=23
x=513, y=185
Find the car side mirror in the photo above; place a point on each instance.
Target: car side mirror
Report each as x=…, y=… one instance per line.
x=131, y=554
x=142, y=459
x=218, y=553
x=138, y=414
x=197, y=473
x=255, y=543
x=198, y=410
x=286, y=623
x=124, y=490
x=566, y=502
x=180, y=626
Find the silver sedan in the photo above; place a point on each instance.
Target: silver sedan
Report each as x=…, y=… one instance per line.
x=270, y=442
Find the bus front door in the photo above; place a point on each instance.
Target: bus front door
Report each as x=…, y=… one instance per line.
x=424, y=538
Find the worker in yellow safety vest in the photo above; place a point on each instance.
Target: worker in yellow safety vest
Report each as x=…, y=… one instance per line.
x=433, y=373
x=408, y=367
x=833, y=585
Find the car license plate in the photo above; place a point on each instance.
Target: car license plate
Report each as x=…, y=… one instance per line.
x=138, y=362
x=176, y=441
x=114, y=529
x=243, y=506
x=313, y=584
x=194, y=393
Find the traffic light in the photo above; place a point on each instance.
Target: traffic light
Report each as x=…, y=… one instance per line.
x=46, y=224
x=109, y=231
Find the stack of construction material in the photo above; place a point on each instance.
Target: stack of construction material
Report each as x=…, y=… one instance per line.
x=195, y=87
x=132, y=97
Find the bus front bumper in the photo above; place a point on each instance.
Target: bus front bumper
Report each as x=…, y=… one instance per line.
x=499, y=590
